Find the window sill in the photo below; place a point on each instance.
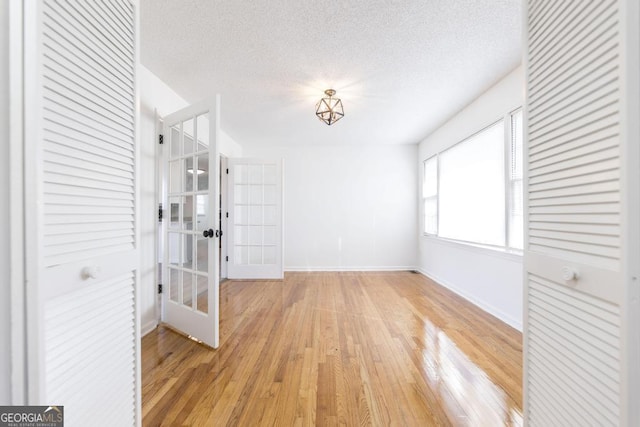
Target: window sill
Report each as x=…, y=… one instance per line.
x=504, y=253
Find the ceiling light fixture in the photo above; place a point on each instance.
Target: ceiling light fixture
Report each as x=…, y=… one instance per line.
x=329, y=109
x=198, y=171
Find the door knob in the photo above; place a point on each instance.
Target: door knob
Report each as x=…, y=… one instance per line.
x=569, y=274
x=208, y=233
x=90, y=272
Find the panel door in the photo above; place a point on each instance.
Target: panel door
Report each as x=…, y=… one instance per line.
x=81, y=209
x=190, y=224
x=255, y=219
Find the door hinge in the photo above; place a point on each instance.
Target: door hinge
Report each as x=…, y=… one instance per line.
x=227, y=214
x=227, y=171
x=227, y=259
x=160, y=212
x=161, y=139
x=159, y=288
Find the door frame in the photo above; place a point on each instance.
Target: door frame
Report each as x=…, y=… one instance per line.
x=224, y=220
x=158, y=202
x=16, y=200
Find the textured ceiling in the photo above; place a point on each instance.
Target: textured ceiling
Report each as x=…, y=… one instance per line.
x=402, y=68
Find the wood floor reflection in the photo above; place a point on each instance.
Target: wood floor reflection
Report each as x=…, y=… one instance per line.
x=338, y=349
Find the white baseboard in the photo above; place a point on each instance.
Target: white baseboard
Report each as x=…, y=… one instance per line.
x=509, y=320
x=342, y=268
x=148, y=327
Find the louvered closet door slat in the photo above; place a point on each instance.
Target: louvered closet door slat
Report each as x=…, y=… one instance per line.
x=78, y=378
x=573, y=250
x=576, y=159
x=122, y=30
x=566, y=113
x=75, y=85
x=88, y=246
x=60, y=138
x=101, y=80
x=88, y=180
x=607, y=175
x=99, y=159
x=592, y=117
x=607, y=188
x=566, y=169
x=600, y=229
x=545, y=146
x=53, y=190
x=106, y=175
x=85, y=125
x=62, y=45
x=117, y=35
x=105, y=167
x=56, y=131
x=69, y=200
x=576, y=199
x=589, y=360
x=584, y=208
x=544, y=28
x=77, y=22
x=126, y=9
x=111, y=122
x=581, y=237
x=574, y=42
x=73, y=41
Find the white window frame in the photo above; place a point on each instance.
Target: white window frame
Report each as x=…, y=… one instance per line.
x=432, y=197
x=508, y=142
x=507, y=120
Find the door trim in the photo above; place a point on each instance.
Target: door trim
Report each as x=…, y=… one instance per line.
x=224, y=221
x=16, y=205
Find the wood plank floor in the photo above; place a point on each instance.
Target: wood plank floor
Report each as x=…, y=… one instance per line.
x=348, y=349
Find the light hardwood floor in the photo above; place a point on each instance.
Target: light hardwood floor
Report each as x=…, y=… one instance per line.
x=338, y=349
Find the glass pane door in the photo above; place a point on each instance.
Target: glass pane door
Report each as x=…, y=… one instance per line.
x=190, y=302
x=255, y=232
x=189, y=213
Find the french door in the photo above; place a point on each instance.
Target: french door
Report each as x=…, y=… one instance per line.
x=255, y=219
x=191, y=202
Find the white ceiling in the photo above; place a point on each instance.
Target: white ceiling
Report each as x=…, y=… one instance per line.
x=402, y=68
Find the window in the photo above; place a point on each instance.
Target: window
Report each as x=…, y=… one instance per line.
x=472, y=189
x=472, y=192
x=430, y=195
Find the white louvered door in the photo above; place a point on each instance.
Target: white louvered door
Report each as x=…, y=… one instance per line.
x=578, y=225
x=82, y=258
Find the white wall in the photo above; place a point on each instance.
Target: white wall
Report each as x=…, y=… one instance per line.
x=490, y=279
x=5, y=295
x=227, y=145
x=156, y=95
x=348, y=208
